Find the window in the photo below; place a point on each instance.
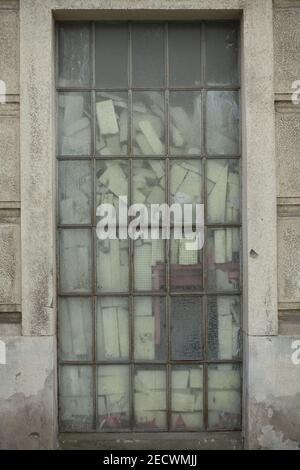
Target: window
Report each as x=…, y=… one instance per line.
x=149, y=332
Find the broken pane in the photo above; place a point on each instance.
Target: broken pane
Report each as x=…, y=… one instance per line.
x=111, y=182
x=74, y=55
x=76, y=398
x=185, y=123
x=112, y=265
x=148, y=182
x=149, y=265
x=113, y=397
x=75, y=328
x=224, y=327
x=112, y=123
x=222, y=123
x=223, y=190
x=150, y=398
x=224, y=396
x=75, y=178
x=149, y=328
x=74, y=123
x=224, y=258
x=148, y=68
x=187, y=397
x=186, y=328
x=112, y=328
x=111, y=55
x=75, y=274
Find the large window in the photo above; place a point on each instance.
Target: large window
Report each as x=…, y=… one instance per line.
x=149, y=331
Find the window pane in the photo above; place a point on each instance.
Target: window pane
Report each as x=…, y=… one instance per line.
x=74, y=55
x=112, y=126
x=186, y=265
x=224, y=327
x=149, y=328
x=112, y=328
x=75, y=329
x=148, y=182
x=76, y=399
x=113, y=397
x=223, y=189
x=187, y=397
x=223, y=258
x=111, y=55
x=224, y=396
x=112, y=265
x=148, y=126
x=148, y=55
x=186, y=328
x=222, y=122
x=75, y=260
x=150, y=398
x=185, y=123
x=186, y=181
x=222, y=53
x=74, y=124
x=111, y=182
x=149, y=265
x=75, y=191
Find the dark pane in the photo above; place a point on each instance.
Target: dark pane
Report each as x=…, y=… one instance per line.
x=184, y=55
x=187, y=328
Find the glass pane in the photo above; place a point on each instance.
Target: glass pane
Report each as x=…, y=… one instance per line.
x=223, y=259
x=149, y=265
x=75, y=329
x=186, y=328
x=184, y=55
x=111, y=182
x=186, y=181
x=223, y=189
x=187, y=397
x=112, y=328
x=111, y=55
x=150, y=398
x=185, y=123
x=148, y=127
x=222, y=122
x=149, y=328
x=224, y=396
x=113, y=397
x=74, y=124
x=148, y=182
x=112, y=123
x=224, y=327
x=76, y=398
x=186, y=265
x=148, y=55
x=75, y=260
x=112, y=265
x=221, y=53
x=75, y=191
x=74, y=55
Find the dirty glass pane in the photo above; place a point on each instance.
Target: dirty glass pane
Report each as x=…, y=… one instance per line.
x=113, y=397
x=148, y=182
x=186, y=183
x=224, y=327
x=148, y=127
x=74, y=123
x=186, y=328
x=149, y=328
x=223, y=191
x=75, y=248
x=111, y=55
x=223, y=258
x=75, y=328
x=222, y=123
x=148, y=68
x=149, y=265
x=185, y=123
x=75, y=179
x=112, y=265
x=187, y=397
x=150, y=398
x=76, y=400
x=221, y=53
x=74, y=55
x=112, y=328
x=224, y=396
x=112, y=123
x=184, y=55
x=111, y=182
x=186, y=265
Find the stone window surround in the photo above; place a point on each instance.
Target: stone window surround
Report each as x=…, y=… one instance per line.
x=38, y=181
